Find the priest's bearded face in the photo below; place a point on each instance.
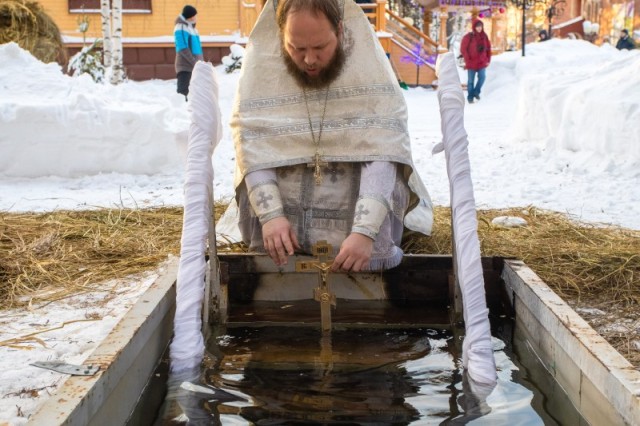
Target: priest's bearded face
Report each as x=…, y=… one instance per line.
x=312, y=49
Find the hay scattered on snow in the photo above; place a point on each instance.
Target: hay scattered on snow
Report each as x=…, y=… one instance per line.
x=51, y=255
x=576, y=259
x=73, y=250
x=48, y=256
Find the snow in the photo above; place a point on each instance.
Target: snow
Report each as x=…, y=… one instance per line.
x=557, y=130
x=69, y=331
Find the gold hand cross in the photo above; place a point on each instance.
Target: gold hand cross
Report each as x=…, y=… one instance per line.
x=317, y=165
x=322, y=293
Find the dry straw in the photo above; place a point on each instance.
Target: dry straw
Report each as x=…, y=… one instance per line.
x=73, y=250
x=27, y=24
x=576, y=259
x=48, y=256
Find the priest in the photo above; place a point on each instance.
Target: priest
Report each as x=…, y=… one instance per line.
x=322, y=149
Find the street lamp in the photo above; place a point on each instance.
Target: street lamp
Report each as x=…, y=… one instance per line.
x=525, y=4
x=590, y=30
x=556, y=8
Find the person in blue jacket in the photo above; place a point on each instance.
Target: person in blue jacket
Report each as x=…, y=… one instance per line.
x=188, y=47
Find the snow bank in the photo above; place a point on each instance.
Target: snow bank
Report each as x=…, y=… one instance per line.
x=587, y=102
x=54, y=124
x=556, y=129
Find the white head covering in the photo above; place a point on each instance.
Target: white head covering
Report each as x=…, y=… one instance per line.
x=365, y=119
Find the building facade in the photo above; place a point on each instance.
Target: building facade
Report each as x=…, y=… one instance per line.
x=147, y=30
x=412, y=44
x=612, y=16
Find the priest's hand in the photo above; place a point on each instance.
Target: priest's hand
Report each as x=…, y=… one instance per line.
x=355, y=253
x=279, y=239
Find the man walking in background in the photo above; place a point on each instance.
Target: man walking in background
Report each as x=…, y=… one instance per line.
x=188, y=47
x=476, y=50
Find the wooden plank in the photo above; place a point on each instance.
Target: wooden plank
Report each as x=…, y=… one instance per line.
x=604, y=386
x=127, y=357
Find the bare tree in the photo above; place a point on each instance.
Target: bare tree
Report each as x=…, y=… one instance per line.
x=111, y=14
x=105, y=12
x=117, y=73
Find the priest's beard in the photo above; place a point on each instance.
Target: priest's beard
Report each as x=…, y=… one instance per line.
x=326, y=75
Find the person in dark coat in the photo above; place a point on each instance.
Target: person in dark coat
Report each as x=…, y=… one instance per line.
x=625, y=42
x=476, y=51
x=188, y=47
x=543, y=35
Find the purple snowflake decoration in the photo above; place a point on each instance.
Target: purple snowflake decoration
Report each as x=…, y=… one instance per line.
x=416, y=57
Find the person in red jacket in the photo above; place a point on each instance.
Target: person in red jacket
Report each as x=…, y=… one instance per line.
x=476, y=51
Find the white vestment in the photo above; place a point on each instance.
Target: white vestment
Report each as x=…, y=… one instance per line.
x=365, y=122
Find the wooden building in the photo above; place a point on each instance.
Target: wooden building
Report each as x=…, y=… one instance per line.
x=612, y=16
x=148, y=33
x=148, y=30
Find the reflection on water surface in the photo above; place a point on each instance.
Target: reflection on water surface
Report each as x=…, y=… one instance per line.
x=277, y=375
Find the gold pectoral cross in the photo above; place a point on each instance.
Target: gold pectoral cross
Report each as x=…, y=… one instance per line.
x=322, y=293
x=317, y=167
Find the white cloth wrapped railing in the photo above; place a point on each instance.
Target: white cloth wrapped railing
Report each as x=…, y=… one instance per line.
x=205, y=132
x=477, y=349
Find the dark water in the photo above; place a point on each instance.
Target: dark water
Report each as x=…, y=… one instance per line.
x=361, y=375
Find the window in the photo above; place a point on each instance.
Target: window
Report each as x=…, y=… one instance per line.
x=93, y=6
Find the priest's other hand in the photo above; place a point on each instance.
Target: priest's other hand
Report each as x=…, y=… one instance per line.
x=279, y=239
x=355, y=253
